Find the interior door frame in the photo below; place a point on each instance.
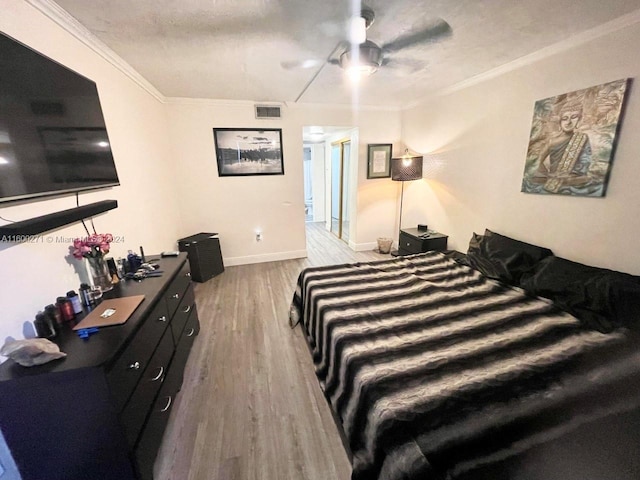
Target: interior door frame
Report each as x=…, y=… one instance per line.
x=339, y=143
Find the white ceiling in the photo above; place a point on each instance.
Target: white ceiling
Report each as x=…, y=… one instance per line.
x=233, y=49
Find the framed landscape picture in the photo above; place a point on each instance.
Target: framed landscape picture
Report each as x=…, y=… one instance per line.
x=379, y=160
x=248, y=151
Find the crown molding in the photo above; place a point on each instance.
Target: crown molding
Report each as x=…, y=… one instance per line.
x=288, y=105
x=345, y=106
x=577, y=40
x=61, y=17
x=216, y=102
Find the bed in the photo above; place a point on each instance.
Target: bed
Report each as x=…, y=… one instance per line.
x=439, y=367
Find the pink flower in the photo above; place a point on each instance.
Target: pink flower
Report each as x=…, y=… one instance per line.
x=95, y=245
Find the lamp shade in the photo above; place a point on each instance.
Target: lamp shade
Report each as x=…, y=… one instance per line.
x=406, y=168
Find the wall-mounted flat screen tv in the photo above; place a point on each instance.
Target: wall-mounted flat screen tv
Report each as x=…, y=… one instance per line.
x=53, y=137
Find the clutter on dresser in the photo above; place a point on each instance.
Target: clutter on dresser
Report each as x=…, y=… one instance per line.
x=94, y=248
x=144, y=271
x=45, y=327
x=76, y=303
x=114, y=311
x=68, y=309
x=31, y=351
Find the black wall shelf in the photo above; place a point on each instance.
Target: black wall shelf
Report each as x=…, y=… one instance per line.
x=37, y=225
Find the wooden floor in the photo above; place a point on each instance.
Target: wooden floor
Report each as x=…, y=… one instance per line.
x=251, y=407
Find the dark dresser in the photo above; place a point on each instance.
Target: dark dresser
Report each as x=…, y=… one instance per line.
x=412, y=241
x=100, y=413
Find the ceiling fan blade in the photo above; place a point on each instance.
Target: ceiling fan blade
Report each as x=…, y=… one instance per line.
x=329, y=60
x=301, y=64
x=405, y=66
x=432, y=33
x=316, y=62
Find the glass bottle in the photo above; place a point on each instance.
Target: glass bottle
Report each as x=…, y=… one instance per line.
x=75, y=301
x=44, y=326
x=65, y=309
x=55, y=315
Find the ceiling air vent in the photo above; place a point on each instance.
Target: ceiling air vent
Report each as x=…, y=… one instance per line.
x=267, y=111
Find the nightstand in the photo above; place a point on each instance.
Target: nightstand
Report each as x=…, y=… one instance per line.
x=411, y=242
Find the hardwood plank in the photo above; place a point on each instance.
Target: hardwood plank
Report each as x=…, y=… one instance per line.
x=250, y=407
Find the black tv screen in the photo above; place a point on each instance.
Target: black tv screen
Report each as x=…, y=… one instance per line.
x=53, y=137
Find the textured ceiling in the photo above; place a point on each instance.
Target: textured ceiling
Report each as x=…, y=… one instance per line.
x=233, y=49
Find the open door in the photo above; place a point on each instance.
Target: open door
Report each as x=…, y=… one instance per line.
x=340, y=155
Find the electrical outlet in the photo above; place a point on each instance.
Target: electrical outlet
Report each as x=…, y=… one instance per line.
x=258, y=236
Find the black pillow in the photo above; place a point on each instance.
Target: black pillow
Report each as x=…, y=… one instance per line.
x=600, y=298
x=503, y=258
x=478, y=259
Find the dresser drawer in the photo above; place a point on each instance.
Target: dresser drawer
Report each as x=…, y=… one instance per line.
x=127, y=370
x=191, y=330
x=182, y=313
x=176, y=290
x=409, y=244
x=151, y=437
x=137, y=409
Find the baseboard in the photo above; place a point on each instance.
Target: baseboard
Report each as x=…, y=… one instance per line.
x=361, y=247
x=266, y=257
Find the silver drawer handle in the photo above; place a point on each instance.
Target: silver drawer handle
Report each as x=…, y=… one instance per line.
x=186, y=309
x=408, y=244
x=188, y=274
x=166, y=407
x=157, y=377
x=175, y=295
x=134, y=366
x=191, y=332
x=162, y=318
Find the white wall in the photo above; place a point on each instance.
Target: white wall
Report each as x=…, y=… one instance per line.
x=476, y=139
x=318, y=181
x=236, y=207
x=35, y=274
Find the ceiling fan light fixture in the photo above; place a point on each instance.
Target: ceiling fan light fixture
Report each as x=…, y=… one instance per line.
x=356, y=72
x=362, y=60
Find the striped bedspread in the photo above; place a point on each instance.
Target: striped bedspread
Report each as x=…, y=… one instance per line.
x=436, y=372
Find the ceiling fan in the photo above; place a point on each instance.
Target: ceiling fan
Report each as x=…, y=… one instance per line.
x=359, y=56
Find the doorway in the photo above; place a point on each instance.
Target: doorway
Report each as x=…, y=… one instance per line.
x=330, y=179
x=340, y=168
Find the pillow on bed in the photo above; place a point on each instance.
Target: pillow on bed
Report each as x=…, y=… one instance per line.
x=503, y=258
x=600, y=298
x=478, y=259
